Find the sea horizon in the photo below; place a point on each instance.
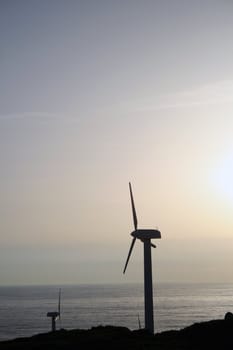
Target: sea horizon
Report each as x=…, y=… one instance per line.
x=111, y=283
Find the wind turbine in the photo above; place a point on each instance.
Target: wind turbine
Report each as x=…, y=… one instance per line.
x=145, y=236
x=55, y=314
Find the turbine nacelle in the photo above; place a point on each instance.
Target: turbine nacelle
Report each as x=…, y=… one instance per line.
x=143, y=234
x=54, y=314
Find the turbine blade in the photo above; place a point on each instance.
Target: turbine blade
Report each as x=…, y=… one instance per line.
x=59, y=303
x=135, y=220
x=139, y=322
x=130, y=251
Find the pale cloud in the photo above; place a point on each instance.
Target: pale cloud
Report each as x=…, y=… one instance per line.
x=210, y=94
x=217, y=93
x=42, y=116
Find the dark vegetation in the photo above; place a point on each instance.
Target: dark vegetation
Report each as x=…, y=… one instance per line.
x=217, y=334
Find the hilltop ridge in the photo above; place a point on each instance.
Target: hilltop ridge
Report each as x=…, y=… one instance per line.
x=215, y=334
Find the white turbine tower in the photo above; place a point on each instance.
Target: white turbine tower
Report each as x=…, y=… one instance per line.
x=54, y=315
x=145, y=236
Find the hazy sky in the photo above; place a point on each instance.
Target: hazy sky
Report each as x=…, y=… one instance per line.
x=94, y=93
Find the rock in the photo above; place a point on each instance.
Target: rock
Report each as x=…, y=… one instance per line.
x=228, y=316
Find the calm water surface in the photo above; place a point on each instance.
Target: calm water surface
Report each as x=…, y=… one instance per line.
x=23, y=309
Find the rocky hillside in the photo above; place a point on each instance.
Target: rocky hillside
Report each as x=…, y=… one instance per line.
x=217, y=334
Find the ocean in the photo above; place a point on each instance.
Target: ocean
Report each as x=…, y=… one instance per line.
x=23, y=309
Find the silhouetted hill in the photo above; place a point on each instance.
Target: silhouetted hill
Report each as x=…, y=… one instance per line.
x=217, y=334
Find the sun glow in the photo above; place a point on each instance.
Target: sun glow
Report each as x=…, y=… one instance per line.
x=223, y=178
